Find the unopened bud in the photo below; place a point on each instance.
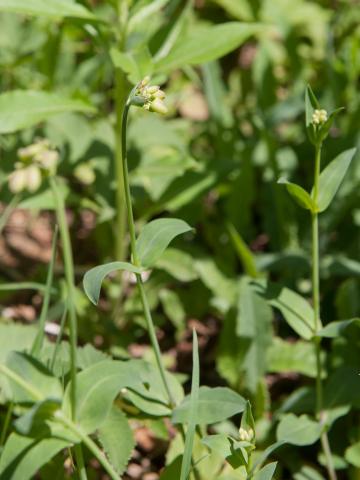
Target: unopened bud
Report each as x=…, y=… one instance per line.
x=33, y=178
x=158, y=106
x=17, y=180
x=85, y=174
x=319, y=117
x=243, y=435
x=152, y=89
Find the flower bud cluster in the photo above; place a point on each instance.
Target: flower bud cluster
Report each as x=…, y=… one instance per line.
x=246, y=435
x=319, y=117
x=153, y=96
x=35, y=161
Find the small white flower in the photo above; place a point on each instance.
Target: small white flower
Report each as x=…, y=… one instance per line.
x=152, y=96
x=319, y=117
x=17, y=180
x=33, y=178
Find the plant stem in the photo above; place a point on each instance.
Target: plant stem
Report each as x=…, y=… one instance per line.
x=70, y=281
x=317, y=322
x=91, y=445
x=131, y=225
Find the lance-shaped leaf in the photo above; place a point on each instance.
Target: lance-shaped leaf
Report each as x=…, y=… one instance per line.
x=93, y=278
x=156, y=236
x=34, y=422
x=296, y=310
x=266, y=473
x=298, y=430
x=335, y=329
x=301, y=196
x=195, y=48
x=47, y=8
x=311, y=104
x=25, y=108
x=332, y=176
x=215, y=404
x=22, y=456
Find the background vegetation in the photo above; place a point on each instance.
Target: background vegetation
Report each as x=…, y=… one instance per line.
x=235, y=125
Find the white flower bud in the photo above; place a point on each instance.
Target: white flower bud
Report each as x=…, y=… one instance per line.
x=152, y=89
x=243, y=435
x=48, y=160
x=17, y=180
x=319, y=117
x=85, y=174
x=33, y=178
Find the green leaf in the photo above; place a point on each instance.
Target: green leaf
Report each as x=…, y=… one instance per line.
x=266, y=453
x=301, y=196
x=332, y=176
x=178, y=264
x=311, y=104
x=244, y=253
x=193, y=412
x=298, y=430
x=47, y=8
x=34, y=373
x=296, y=356
x=172, y=470
x=33, y=422
x=156, y=236
x=296, y=310
x=352, y=454
x=325, y=128
x=195, y=48
x=117, y=439
x=93, y=278
x=97, y=387
x=342, y=388
x=224, y=447
x=266, y=473
x=22, y=457
x=335, y=329
x=25, y=108
x=215, y=404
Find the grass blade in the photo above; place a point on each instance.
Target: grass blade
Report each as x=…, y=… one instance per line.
x=190, y=434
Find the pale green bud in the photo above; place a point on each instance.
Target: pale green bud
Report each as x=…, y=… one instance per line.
x=17, y=180
x=152, y=89
x=48, y=160
x=158, y=106
x=85, y=174
x=33, y=180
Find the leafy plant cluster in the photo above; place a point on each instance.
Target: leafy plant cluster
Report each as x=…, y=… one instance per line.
x=193, y=219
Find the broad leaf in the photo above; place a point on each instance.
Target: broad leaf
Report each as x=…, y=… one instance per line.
x=22, y=457
x=335, y=329
x=35, y=374
x=195, y=48
x=332, y=176
x=117, y=439
x=266, y=473
x=93, y=278
x=296, y=310
x=156, y=236
x=25, y=108
x=193, y=412
x=47, y=8
x=224, y=447
x=298, y=430
x=301, y=196
x=215, y=404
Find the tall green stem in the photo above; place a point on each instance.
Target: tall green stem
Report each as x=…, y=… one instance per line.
x=131, y=224
x=70, y=282
x=316, y=306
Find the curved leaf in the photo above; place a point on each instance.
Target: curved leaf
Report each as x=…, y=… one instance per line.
x=93, y=278
x=156, y=236
x=25, y=108
x=335, y=329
